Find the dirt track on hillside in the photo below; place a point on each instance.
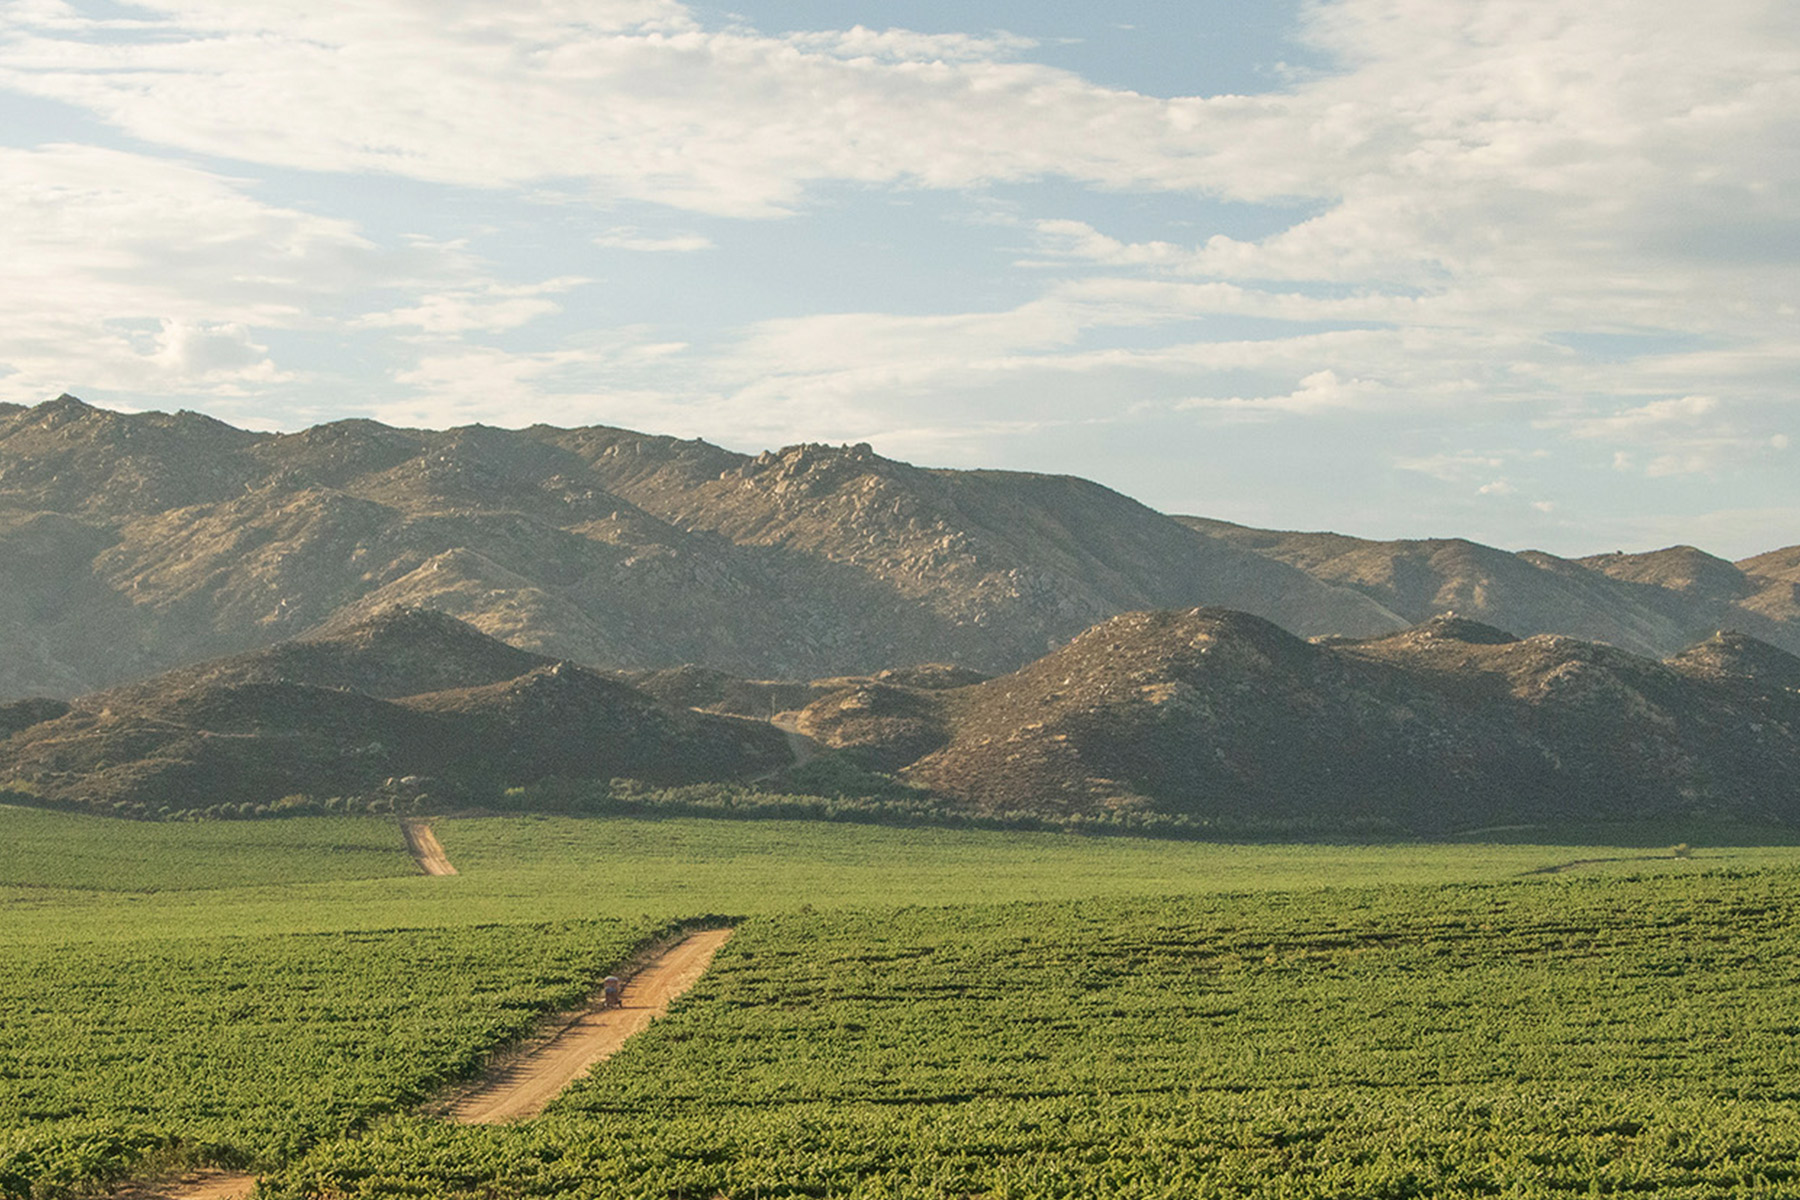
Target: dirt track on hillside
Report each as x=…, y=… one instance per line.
x=522, y=1087
x=804, y=748
x=425, y=848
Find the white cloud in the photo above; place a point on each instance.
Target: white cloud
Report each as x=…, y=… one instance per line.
x=628, y=238
x=154, y=278
x=1318, y=392
x=642, y=104
x=600, y=379
x=1452, y=468
x=489, y=308
x=859, y=42
x=133, y=273
x=1648, y=420
x=191, y=352
x=1687, y=435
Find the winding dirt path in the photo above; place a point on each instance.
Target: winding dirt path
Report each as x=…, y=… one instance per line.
x=426, y=850
x=522, y=1087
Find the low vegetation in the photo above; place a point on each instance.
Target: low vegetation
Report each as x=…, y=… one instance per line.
x=902, y=1011
x=1567, y=1039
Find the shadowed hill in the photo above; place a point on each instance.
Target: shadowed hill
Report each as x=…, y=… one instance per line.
x=397, y=652
x=1737, y=660
x=343, y=714
x=1651, y=604
x=1216, y=715
x=1195, y=716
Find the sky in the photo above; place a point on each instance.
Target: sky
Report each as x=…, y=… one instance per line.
x=1523, y=271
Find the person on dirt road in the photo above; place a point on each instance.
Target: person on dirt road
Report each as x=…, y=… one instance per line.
x=612, y=989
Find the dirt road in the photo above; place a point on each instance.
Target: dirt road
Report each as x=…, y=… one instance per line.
x=802, y=747
x=425, y=848
x=522, y=1087
x=198, y=1185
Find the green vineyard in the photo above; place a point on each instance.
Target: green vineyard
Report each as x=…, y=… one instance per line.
x=904, y=1013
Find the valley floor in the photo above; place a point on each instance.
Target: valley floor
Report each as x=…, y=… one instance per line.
x=900, y=1012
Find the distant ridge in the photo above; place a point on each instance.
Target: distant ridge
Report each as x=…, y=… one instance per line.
x=134, y=543
x=1653, y=604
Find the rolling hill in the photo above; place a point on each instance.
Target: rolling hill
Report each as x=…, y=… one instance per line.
x=1221, y=717
x=409, y=702
x=1192, y=718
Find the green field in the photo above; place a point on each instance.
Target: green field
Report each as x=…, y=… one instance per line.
x=902, y=1012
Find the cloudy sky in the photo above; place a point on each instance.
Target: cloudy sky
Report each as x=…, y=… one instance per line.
x=1518, y=270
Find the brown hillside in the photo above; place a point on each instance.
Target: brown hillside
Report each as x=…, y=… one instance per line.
x=1652, y=604
x=1775, y=565
x=1221, y=716
x=295, y=718
x=1776, y=579
x=885, y=725
x=131, y=543
x=1677, y=568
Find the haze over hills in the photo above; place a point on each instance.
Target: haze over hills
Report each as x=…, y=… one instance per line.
x=133, y=543
x=1653, y=604
x=130, y=543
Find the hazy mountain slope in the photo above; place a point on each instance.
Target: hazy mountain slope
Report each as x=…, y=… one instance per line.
x=1775, y=566
x=345, y=714
x=1652, y=604
x=1004, y=557
x=1676, y=568
x=1219, y=715
x=130, y=543
x=399, y=652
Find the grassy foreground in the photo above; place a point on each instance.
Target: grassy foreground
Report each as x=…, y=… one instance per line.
x=901, y=1012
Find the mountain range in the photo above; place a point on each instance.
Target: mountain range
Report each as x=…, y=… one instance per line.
x=131, y=543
